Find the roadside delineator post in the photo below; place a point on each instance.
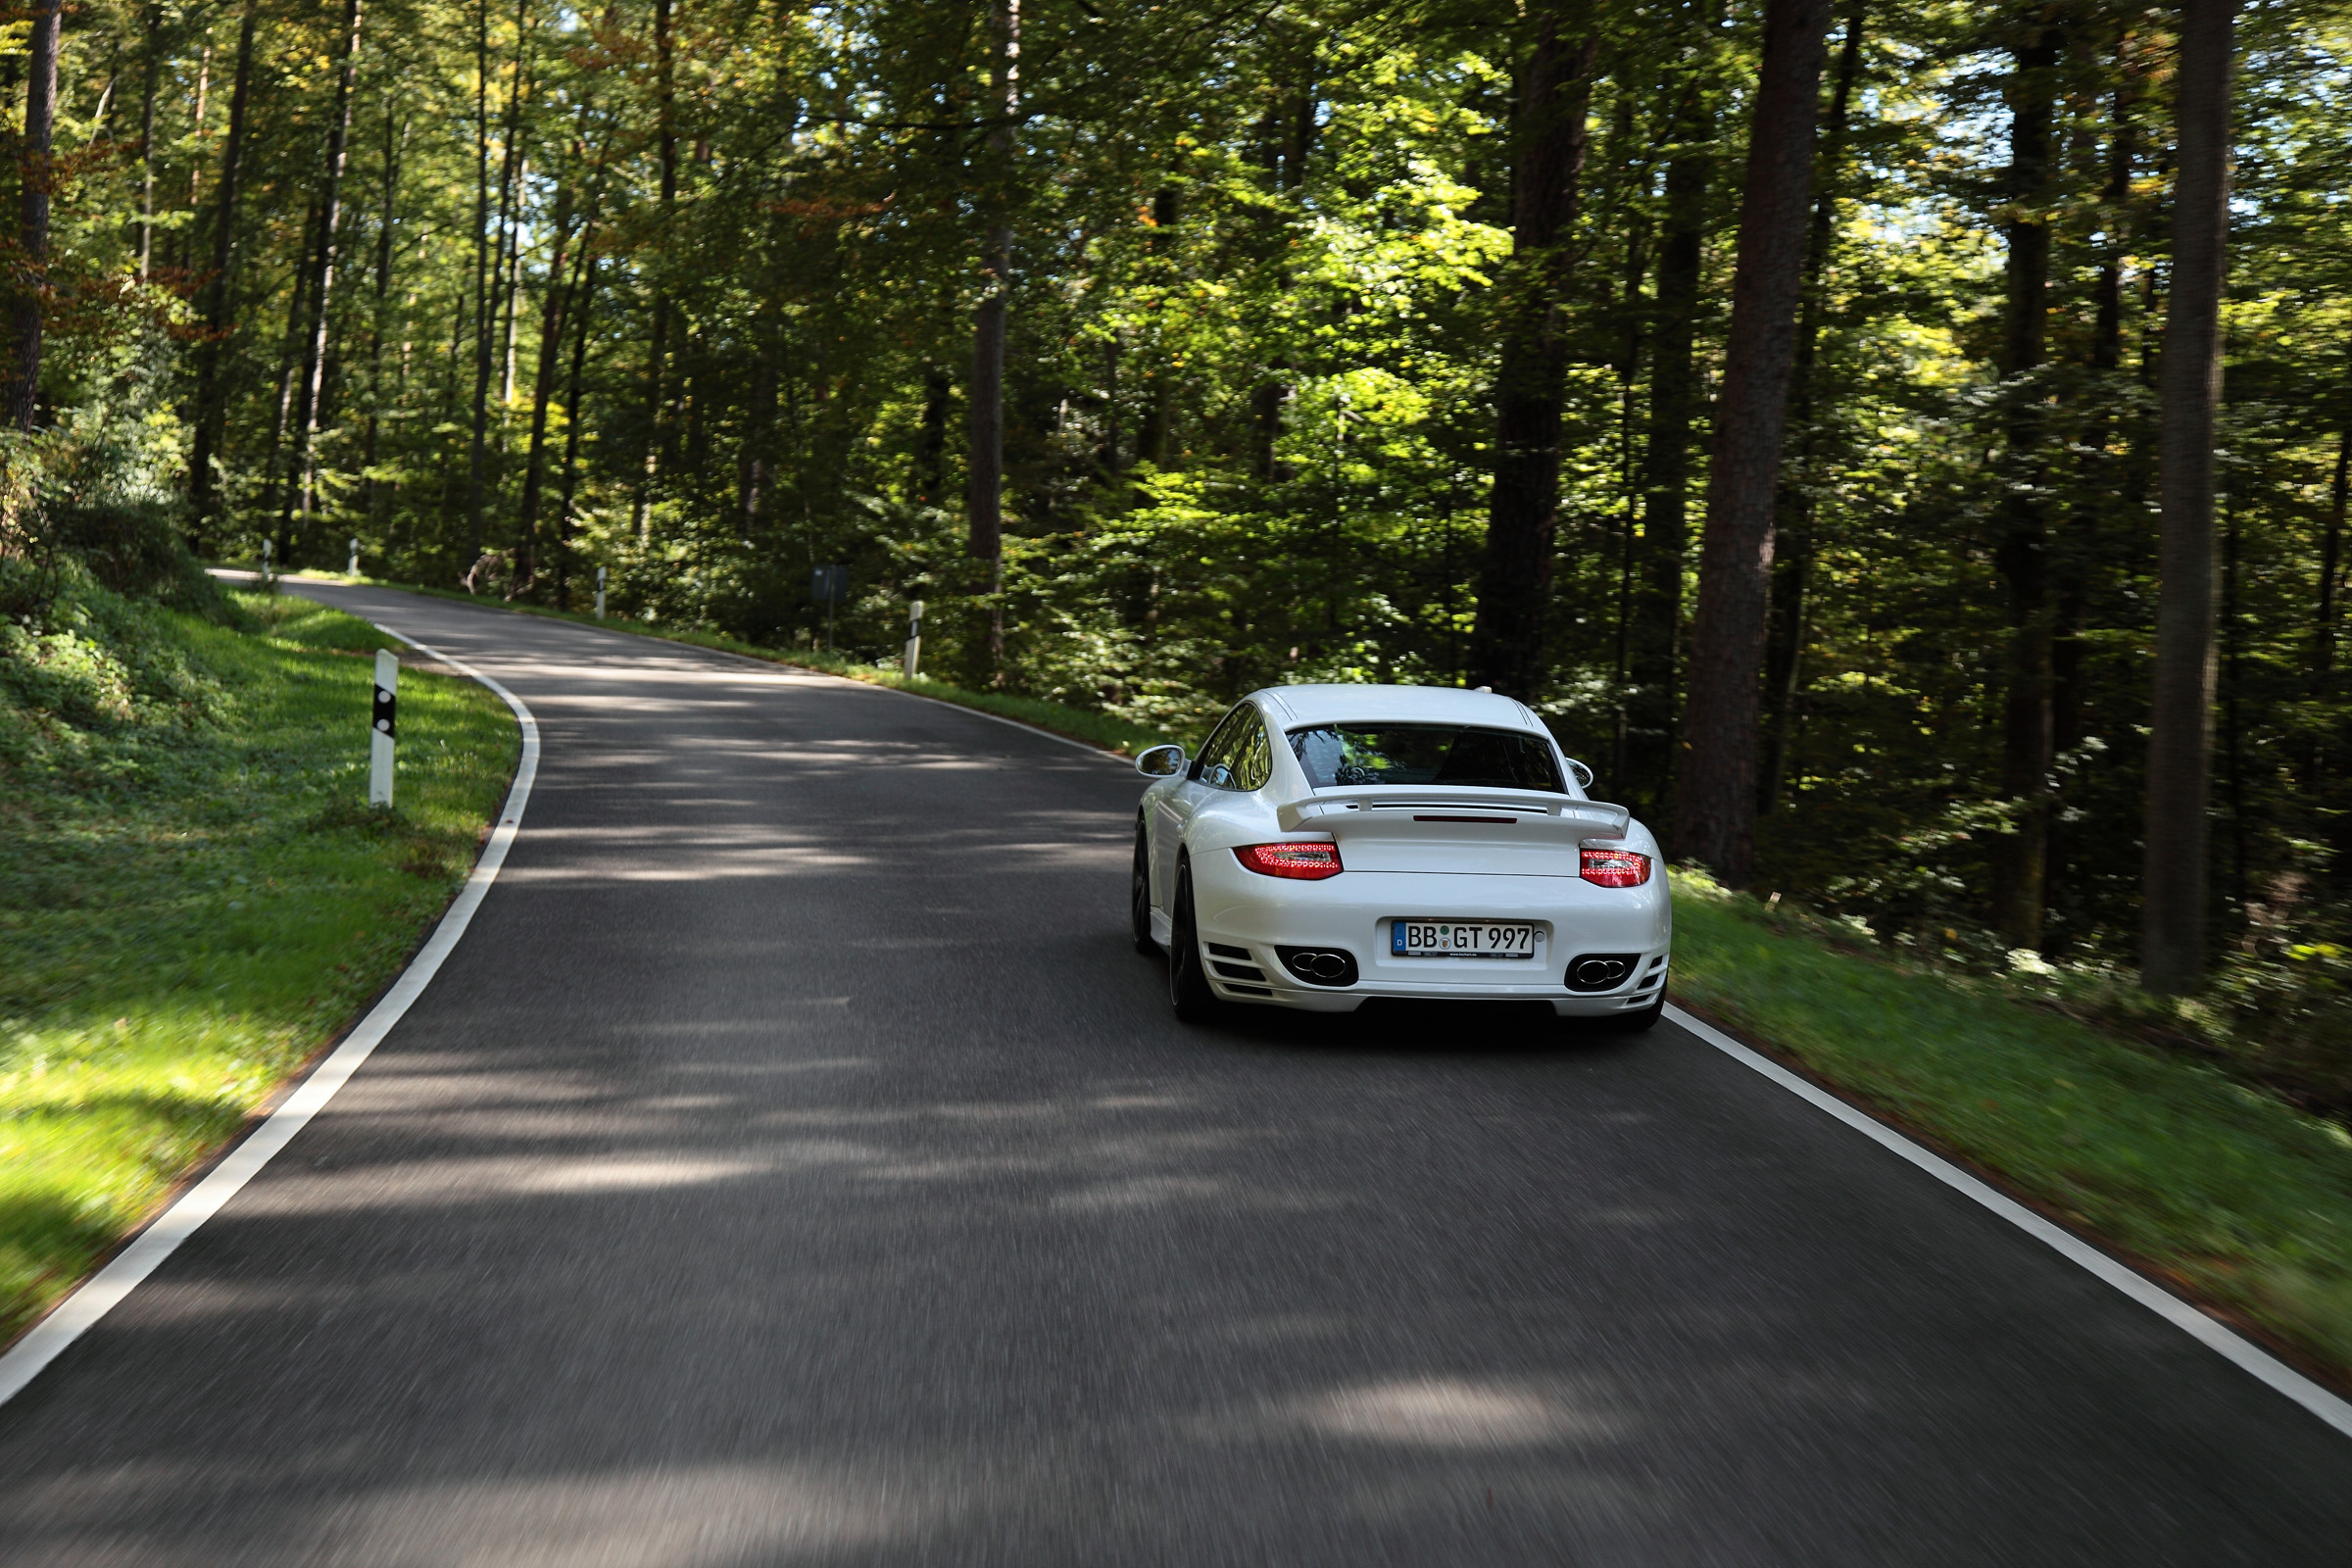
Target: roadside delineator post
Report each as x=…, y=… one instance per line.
x=914, y=638
x=354, y=570
x=599, y=593
x=267, y=576
x=382, y=727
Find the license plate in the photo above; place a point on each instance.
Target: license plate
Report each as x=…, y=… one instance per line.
x=1461, y=938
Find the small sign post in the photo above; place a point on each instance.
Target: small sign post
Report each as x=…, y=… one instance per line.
x=267, y=576
x=914, y=639
x=829, y=586
x=353, y=571
x=599, y=593
x=383, y=726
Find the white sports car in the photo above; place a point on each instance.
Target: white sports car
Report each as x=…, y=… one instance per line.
x=1334, y=844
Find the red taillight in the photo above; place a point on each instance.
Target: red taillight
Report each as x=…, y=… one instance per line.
x=1302, y=863
x=1614, y=868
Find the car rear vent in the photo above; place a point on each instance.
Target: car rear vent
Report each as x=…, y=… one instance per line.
x=1238, y=971
x=1319, y=967
x=1248, y=991
x=1218, y=950
x=1600, y=971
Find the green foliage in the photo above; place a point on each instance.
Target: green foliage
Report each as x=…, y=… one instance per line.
x=193, y=894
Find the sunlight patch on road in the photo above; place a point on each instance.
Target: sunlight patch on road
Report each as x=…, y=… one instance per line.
x=1443, y=1413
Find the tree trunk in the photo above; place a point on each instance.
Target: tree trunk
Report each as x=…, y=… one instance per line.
x=481, y=280
x=2076, y=553
x=302, y=491
x=151, y=64
x=931, y=451
x=987, y=524
x=180, y=247
x=2181, y=710
x=386, y=226
x=585, y=293
x=1555, y=87
x=550, y=346
x=212, y=411
x=32, y=232
x=2332, y=555
x=658, y=351
x=290, y=361
x=1795, y=507
x=1655, y=634
x=2020, y=856
x=751, y=459
x=492, y=284
x=1715, y=791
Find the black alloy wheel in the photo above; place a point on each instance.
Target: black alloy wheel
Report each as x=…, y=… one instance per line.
x=1187, y=982
x=1139, y=892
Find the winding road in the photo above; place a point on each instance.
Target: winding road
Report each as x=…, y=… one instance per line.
x=793, y=1164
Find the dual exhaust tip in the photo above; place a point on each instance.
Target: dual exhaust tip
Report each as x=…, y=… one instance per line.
x=1335, y=967
x=1319, y=967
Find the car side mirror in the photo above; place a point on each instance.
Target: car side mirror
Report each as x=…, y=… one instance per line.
x=1161, y=761
x=1584, y=774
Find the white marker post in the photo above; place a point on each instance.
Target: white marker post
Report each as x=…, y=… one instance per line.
x=914, y=639
x=267, y=575
x=382, y=727
x=353, y=571
x=599, y=593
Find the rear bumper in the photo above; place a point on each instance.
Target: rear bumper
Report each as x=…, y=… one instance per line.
x=1246, y=914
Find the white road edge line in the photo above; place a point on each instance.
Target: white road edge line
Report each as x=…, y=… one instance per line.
x=103, y=1292
x=2232, y=1347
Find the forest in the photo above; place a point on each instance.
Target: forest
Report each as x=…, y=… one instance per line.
x=1902, y=446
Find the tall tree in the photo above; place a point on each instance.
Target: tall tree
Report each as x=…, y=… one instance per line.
x=1654, y=635
x=36, y=173
x=1715, y=789
x=301, y=497
x=987, y=464
x=150, y=63
x=2176, y=880
x=1794, y=545
x=1514, y=585
x=657, y=358
x=211, y=412
x=2020, y=856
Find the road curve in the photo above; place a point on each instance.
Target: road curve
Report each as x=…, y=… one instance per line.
x=794, y=1164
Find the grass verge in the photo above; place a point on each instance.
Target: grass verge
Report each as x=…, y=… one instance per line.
x=2241, y=1200
x=1076, y=724
x=194, y=897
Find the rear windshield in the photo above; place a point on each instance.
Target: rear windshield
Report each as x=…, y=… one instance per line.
x=1426, y=753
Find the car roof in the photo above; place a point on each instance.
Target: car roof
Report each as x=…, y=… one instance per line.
x=1427, y=705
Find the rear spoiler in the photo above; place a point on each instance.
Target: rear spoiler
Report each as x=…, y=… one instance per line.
x=1330, y=809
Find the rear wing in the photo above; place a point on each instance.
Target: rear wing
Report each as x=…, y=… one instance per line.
x=1336, y=811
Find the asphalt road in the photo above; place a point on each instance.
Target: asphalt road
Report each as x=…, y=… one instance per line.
x=794, y=1164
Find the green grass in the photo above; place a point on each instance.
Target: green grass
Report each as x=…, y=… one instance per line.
x=194, y=896
x=2244, y=1201
x=1078, y=723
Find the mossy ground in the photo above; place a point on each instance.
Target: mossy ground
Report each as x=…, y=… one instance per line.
x=194, y=896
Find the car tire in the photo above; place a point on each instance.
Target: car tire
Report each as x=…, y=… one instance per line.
x=1636, y=1023
x=1189, y=991
x=1138, y=894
